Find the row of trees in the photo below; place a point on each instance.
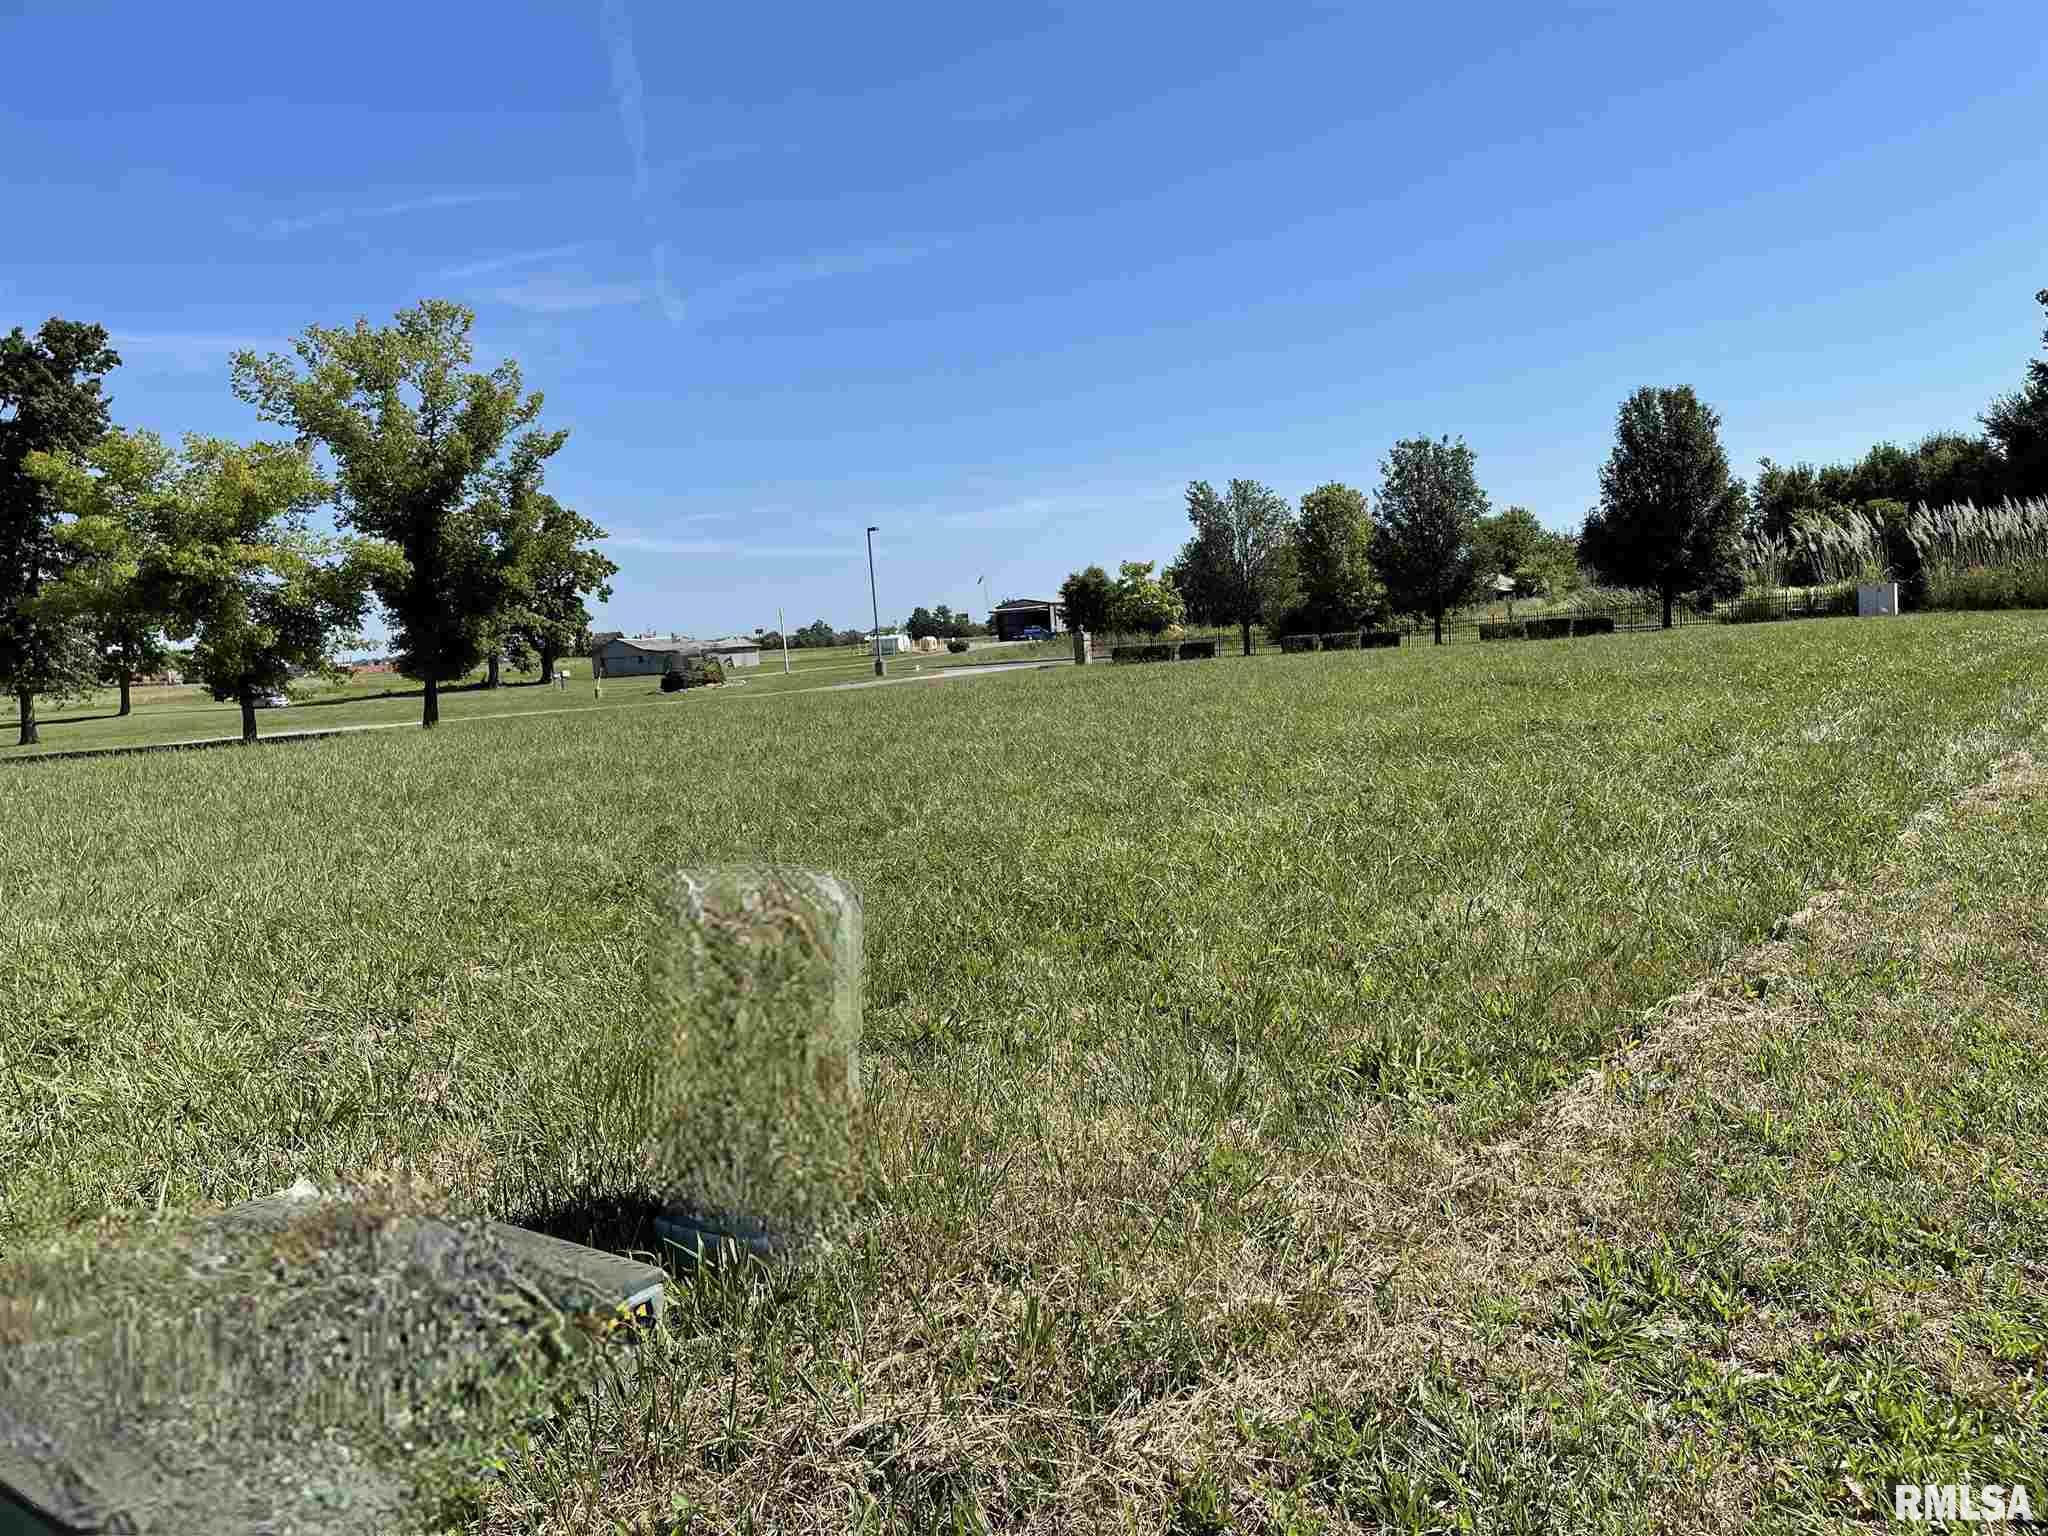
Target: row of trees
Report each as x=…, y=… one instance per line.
x=817, y=635
x=1671, y=521
x=1335, y=562
x=113, y=544
x=941, y=622
x=2006, y=462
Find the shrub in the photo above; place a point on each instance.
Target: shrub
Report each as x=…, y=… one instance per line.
x=1757, y=608
x=1378, y=639
x=1294, y=644
x=1982, y=557
x=1198, y=650
x=1551, y=629
x=1501, y=632
x=693, y=672
x=1346, y=640
x=956, y=646
x=1141, y=653
x=1593, y=624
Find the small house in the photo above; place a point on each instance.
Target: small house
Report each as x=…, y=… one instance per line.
x=1010, y=620
x=652, y=655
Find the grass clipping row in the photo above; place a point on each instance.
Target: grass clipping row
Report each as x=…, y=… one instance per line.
x=358, y=1362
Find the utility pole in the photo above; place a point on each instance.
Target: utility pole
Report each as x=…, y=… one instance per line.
x=872, y=598
x=785, y=641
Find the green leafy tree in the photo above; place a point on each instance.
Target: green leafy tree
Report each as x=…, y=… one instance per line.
x=1194, y=575
x=1089, y=597
x=817, y=635
x=1143, y=604
x=1506, y=543
x=1670, y=519
x=1237, y=552
x=1332, y=562
x=1429, y=508
x=51, y=401
x=1554, y=567
x=224, y=554
x=554, y=573
x=109, y=541
x=1512, y=543
x=1786, y=495
x=2018, y=424
x=429, y=455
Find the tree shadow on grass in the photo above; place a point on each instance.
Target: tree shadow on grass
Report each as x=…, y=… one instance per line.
x=361, y=698
x=64, y=719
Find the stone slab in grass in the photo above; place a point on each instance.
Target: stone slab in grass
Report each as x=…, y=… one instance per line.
x=571, y=1276
x=47, y=1490
x=101, y=1430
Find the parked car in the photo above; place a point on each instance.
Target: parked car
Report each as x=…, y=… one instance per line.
x=272, y=700
x=1034, y=632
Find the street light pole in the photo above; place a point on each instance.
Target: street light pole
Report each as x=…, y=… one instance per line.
x=782, y=630
x=872, y=531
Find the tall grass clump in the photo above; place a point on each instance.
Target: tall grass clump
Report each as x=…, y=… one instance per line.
x=1984, y=557
x=1832, y=555
x=1845, y=550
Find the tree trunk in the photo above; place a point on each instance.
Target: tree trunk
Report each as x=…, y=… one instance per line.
x=248, y=697
x=1246, y=626
x=30, y=736
x=492, y=680
x=1437, y=619
x=430, y=716
x=1667, y=607
x=126, y=680
x=547, y=667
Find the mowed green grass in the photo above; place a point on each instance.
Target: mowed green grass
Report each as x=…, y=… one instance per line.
x=163, y=716
x=1186, y=986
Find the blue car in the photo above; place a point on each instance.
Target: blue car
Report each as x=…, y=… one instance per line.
x=1034, y=632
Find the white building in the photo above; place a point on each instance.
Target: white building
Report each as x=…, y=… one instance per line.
x=652, y=655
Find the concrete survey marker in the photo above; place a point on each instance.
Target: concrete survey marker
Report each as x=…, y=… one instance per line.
x=757, y=990
x=572, y=1277
x=235, y=1403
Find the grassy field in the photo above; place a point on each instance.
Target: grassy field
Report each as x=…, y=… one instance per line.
x=165, y=715
x=1233, y=1160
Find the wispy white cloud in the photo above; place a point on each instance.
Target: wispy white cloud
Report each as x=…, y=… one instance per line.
x=512, y=259
x=616, y=28
x=730, y=549
x=184, y=351
x=671, y=302
x=328, y=218
x=994, y=111
x=552, y=293
x=1060, y=509
x=765, y=284
x=673, y=173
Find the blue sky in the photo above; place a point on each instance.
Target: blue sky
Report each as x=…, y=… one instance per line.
x=1002, y=279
